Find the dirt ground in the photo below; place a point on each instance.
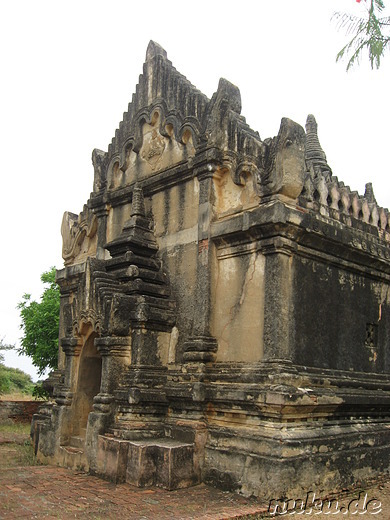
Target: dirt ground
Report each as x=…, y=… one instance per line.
x=31, y=491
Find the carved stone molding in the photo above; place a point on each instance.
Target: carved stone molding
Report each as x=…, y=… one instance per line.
x=200, y=349
x=113, y=346
x=71, y=346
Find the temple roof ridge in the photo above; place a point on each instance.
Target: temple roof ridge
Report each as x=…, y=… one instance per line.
x=182, y=108
x=162, y=86
x=173, y=107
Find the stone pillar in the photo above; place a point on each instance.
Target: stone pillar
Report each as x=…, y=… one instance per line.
x=63, y=325
x=64, y=392
x=115, y=352
x=279, y=328
x=143, y=345
x=72, y=348
x=202, y=346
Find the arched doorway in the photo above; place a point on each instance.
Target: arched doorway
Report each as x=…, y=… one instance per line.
x=88, y=384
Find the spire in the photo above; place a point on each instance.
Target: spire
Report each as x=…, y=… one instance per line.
x=314, y=154
x=369, y=193
x=136, y=234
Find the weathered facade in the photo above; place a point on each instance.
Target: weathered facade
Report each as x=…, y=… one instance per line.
x=225, y=307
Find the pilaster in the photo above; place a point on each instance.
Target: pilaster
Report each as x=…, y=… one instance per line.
x=72, y=348
x=202, y=346
x=102, y=214
x=279, y=328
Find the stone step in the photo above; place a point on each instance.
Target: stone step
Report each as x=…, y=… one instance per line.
x=73, y=458
x=164, y=462
x=160, y=462
x=76, y=441
x=72, y=449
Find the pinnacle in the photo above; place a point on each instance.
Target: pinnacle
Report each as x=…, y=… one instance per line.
x=314, y=152
x=313, y=147
x=369, y=193
x=232, y=92
x=154, y=49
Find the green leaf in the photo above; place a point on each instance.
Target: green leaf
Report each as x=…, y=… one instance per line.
x=370, y=34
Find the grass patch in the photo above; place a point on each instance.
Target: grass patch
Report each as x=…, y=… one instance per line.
x=16, y=455
x=9, y=426
x=15, y=445
x=17, y=396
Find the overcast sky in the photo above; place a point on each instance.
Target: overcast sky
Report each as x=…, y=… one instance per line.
x=68, y=71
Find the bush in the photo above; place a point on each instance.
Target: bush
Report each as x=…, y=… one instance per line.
x=15, y=380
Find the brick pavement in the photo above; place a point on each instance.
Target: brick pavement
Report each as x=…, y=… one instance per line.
x=58, y=493
x=28, y=492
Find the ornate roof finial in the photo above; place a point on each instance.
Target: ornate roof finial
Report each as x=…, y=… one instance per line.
x=369, y=193
x=314, y=154
x=138, y=203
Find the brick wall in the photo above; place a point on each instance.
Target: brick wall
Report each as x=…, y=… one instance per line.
x=20, y=411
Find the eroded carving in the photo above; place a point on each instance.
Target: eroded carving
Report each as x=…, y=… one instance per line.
x=153, y=148
x=78, y=236
x=283, y=167
x=99, y=161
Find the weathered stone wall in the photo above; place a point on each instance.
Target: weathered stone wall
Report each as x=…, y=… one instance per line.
x=238, y=293
x=347, y=328
x=175, y=213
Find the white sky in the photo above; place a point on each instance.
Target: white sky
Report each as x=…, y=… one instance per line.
x=68, y=71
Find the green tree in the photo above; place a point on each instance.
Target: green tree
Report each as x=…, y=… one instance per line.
x=40, y=321
x=371, y=33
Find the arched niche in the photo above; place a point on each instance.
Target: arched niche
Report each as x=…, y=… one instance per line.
x=88, y=384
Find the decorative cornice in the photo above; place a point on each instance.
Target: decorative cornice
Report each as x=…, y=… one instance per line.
x=308, y=234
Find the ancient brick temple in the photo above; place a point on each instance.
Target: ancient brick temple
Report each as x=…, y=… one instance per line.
x=225, y=307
